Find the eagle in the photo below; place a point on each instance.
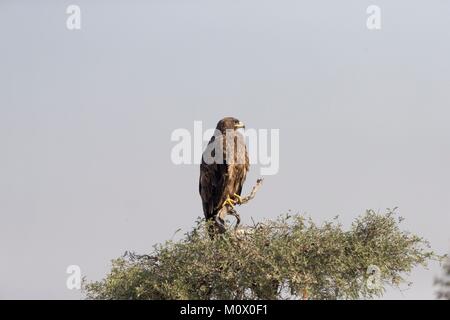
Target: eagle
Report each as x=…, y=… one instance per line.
x=223, y=170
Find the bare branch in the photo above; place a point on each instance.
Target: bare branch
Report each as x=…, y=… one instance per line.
x=254, y=191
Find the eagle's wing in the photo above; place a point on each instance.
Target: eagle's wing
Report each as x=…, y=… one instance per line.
x=213, y=180
x=211, y=186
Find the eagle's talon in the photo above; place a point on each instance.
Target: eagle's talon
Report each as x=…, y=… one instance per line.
x=237, y=198
x=230, y=202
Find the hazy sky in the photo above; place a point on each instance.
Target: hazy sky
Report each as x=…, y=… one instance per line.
x=86, y=118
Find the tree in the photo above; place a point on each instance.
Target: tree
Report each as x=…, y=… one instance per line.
x=443, y=283
x=287, y=258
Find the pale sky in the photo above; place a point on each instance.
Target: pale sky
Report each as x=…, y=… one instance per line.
x=86, y=118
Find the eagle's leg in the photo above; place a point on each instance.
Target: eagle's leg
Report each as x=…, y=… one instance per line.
x=237, y=198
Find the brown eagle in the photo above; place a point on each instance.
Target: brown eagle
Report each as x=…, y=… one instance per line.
x=223, y=169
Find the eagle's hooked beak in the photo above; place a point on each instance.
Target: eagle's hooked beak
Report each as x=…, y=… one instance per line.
x=239, y=125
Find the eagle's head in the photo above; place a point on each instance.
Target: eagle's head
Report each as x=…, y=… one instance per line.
x=229, y=123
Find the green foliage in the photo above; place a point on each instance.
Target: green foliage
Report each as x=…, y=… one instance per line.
x=443, y=283
x=288, y=258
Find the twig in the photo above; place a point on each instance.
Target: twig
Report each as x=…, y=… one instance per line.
x=254, y=191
